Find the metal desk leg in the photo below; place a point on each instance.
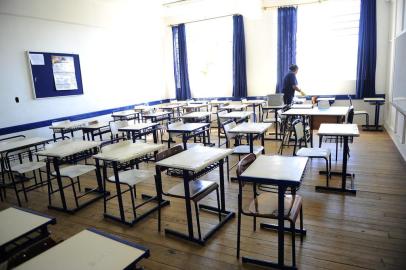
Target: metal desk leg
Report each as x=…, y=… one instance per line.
x=60, y=185
x=251, y=138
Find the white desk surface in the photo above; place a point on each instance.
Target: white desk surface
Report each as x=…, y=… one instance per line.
x=326, y=98
x=233, y=115
x=339, y=130
x=235, y=107
x=302, y=106
x=138, y=126
x=332, y=111
x=251, y=128
x=195, y=159
x=171, y=106
x=86, y=250
x=219, y=102
x=67, y=148
x=96, y=126
x=194, y=106
x=184, y=102
x=196, y=115
x=141, y=108
x=267, y=107
x=69, y=125
x=254, y=101
x=18, y=144
x=374, y=100
x=124, y=113
x=126, y=150
x=15, y=223
x=187, y=127
x=400, y=105
x=156, y=114
x=280, y=168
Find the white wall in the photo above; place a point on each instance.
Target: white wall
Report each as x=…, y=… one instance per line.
x=119, y=44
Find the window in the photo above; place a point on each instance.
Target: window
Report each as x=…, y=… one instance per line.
x=327, y=47
x=209, y=48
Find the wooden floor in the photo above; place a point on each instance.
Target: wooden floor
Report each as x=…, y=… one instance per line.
x=367, y=231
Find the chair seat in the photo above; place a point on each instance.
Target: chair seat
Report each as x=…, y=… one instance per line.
x=73, y=171
x=360, y=112
x=313, y=152
x=132, y=177
x=28, y=166
x=266, y=205
x=198, y=189
x=245, y=149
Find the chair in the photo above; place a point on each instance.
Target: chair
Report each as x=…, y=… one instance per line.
x=115, y=126
x=275, y=100
x=199, y=189
x=61, y=131
x=265, y=205
x=310, y=152
x=360, y=113
x=100, y=132
x=220, y=122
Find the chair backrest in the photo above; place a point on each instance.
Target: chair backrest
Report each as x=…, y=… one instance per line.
x=275, y=99
x=219, y=119
x=350, y=115
x=226, y=127
x=60, y=122
x=298, y=127
x=245, y=163
x=350, y=99
x=115, y=125
x=323, y=104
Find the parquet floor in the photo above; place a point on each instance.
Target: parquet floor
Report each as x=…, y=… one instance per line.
x=367, y=231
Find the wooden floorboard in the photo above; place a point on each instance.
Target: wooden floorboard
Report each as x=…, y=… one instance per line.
x=367, y=231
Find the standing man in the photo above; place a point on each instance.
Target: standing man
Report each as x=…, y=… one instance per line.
x=290, y=85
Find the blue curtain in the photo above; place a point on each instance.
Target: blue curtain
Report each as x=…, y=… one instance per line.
x=180, y=67
x=366, y=50
x=239, y=67
x=287, y=25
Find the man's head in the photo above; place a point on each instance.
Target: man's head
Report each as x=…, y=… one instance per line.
x=294, y=68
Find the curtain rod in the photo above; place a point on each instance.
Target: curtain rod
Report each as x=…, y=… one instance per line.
x=295, y=5
x=207, y=19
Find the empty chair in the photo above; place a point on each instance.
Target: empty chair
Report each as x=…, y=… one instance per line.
x=265, y=205
x=310, y=152
x=198, y=189
x=220, y=121
x=360, y=113
x=61, y=131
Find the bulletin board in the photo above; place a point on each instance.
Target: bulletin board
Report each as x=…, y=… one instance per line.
x=55, y=74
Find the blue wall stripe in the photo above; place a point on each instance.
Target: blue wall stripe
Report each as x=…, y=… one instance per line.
x=47, y=123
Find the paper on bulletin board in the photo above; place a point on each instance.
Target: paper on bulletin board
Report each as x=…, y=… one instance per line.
x=37, y=59
x=64, y=72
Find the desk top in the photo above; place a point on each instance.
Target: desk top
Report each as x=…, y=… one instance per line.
x=178, y=102
x=156, y=114
x=88, y=250
x=21, y=144
x=188, y=127
x=277, y=170
x=254, y=101
x=195, y=159
x=332, y=111
x=235, y=107
x=126, y=151
x=124, y=113
x=302, y=106
x=233, y=115
x=379, y=100
x=96, y=126
x=171, y=106
x=141, y=108
x=69, y=125
x=251, y=128
x=339, y=130
x=195, y=105
x=16, y=222
x=326, y=98
x=275, y=107
x=67, y=148
x=219, y=102
x=138, y=126
x=400, y=105
x=196, y=115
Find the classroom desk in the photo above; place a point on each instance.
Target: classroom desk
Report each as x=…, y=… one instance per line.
x=218, y=103
x=90, y=131
x=194, y=163
x=68, y=127
x=126, y=115
x=337, y=112
x=90, y=249
x=275, y=109
x=195, y=107
x=378, y=102
x=18, y=223
x=140, y=129
x=188, y=131
x=125, y=153
x=236, y=116
x=157, y=116
x=70, y=151
x=197, y=117
x=254, y=104
x=8, y=147
x=252, y=129
x=235, y=107
x=345, y=131
x=302, y=106
x=330, y=100
x=172, y=108
x=284, y=172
